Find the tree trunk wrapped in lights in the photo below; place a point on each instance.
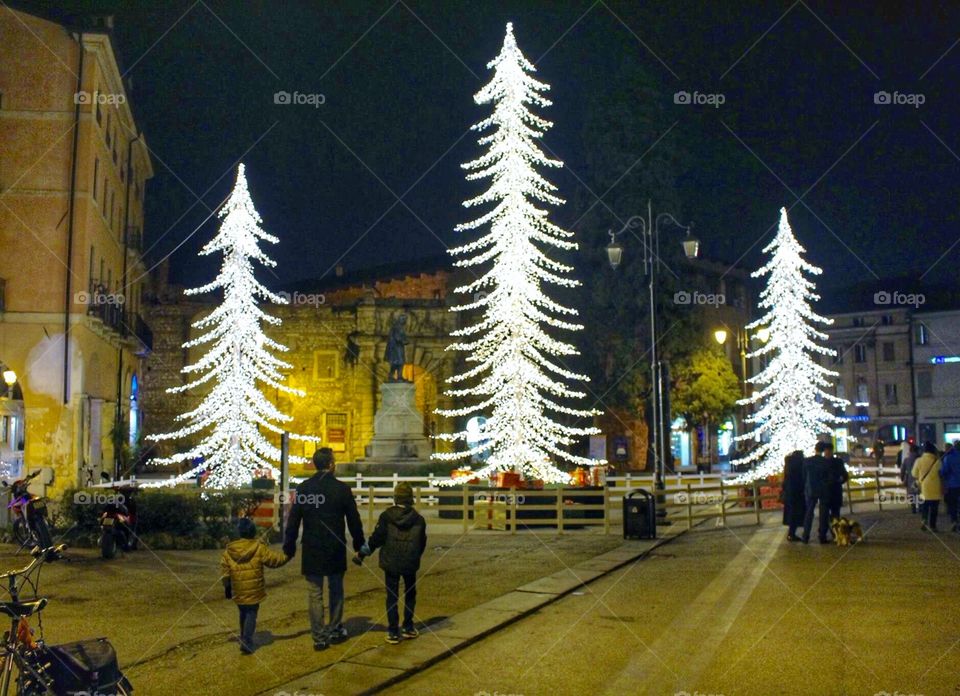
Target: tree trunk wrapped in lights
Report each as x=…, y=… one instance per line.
x=238, y=361
x=794, y=399
x=516, y=377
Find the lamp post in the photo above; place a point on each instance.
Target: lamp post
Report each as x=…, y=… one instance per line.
x=649, y=228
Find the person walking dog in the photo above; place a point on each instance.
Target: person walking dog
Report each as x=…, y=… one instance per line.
x=322, y=504
x=817, y=487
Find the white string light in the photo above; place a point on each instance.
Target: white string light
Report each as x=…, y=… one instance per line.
x=794, y=393
x=238, y=362
x=513, y=372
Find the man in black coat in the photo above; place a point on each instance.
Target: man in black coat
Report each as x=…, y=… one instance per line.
x=838, y=479
x=817, y=487
x=794, y=499
x=322, y=504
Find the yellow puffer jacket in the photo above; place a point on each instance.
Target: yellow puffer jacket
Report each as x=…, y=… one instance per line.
x=243, y=562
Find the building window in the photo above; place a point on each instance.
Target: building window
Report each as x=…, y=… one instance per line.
x=889, y=352
x=325, y=365
x=3, y=294
x=99, y=112
x=335, y=435
x=921, y=335
x=925, y=384
x=106, y=190
x=108, y=130
x=890, y=393
x=113, y=197
x=886, y=320
x=96, y=175
x=857, y=321
x=863, y=395
x=860, y=353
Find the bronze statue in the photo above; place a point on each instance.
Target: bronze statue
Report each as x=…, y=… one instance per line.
x=395, y=354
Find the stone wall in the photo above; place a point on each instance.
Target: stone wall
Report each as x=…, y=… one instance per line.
x=336, y=356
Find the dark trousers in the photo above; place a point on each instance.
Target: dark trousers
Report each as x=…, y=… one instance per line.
x=812, y=502
x=953, y=501
x=248, y=624
x=836, y=503
x=929, y=509
x=393, y=599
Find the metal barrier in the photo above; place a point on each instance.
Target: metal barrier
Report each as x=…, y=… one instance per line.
x=687, y=500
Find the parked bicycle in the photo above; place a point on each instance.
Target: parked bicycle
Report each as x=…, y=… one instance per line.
x=29, y=514
x=36, y=669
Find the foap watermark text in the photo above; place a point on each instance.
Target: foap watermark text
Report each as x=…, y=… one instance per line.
x=685, y=297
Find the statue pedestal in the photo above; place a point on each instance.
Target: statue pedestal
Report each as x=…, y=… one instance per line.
x=398, y=428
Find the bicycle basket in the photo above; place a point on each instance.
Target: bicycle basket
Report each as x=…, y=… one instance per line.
x=86, y=666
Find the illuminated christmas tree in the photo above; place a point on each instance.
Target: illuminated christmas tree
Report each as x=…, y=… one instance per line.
x=794, y=400
x=238, y=362
x=516, y=379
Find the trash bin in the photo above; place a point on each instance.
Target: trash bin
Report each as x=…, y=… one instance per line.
x=639, y=515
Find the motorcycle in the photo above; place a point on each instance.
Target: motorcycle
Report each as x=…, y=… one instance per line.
x=29, y=514
x=118, y=525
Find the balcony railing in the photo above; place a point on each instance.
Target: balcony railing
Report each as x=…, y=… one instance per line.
x=134, y=239
x=109, y=309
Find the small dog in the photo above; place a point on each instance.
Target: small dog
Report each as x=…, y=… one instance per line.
x=846, y=531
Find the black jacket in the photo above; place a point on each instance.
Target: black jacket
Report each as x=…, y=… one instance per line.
x=794, y=500
x=817, y=477
x=321, y=504
x=401, y=536
x=838, y=477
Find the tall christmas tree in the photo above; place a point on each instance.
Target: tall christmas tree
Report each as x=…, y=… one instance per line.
x=794, y=397
x=238, y=362
x=516, y=379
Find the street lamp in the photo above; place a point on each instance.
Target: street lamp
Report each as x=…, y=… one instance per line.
x=720, y=335
x=763, y=334
x=9, y=377
x=649, y=228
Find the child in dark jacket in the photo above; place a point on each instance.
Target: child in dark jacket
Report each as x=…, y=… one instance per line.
x=401, y=536
x=241, y=569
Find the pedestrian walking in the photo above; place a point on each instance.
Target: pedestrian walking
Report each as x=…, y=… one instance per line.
x=926, y=470
x=322, y=505
x=950, y=473
x=401, y=536
x=241, y=570
x=909, y=482
x=794, y=500
x=878, y=452
x=817, y=488
x=838, y=479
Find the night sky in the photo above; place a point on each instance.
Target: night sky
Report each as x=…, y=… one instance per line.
x=877, y=181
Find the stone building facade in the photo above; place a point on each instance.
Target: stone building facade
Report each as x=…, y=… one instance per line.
x=336, y=340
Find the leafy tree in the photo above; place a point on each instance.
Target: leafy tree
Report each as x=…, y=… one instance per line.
x=705, y=388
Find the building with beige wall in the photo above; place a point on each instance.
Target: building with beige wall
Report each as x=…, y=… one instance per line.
x=73, y=169
x=336, y=333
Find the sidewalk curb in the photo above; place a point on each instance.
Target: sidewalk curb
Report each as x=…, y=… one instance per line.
x=385, y=666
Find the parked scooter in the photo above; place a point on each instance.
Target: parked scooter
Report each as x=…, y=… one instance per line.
x=118, y=524
x=29, y=514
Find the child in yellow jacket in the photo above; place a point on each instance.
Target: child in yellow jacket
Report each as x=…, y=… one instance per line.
x=241, y=569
